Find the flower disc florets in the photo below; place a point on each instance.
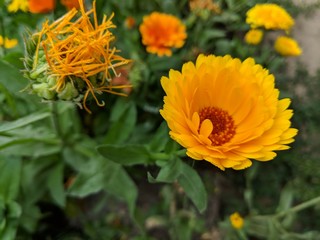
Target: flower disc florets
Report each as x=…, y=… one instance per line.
x=72, y=57
x=226, y=111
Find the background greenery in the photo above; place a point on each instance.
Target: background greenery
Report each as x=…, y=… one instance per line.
x=116, y=174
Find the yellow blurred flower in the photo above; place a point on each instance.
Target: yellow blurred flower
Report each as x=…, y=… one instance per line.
x=236, y=220
x=287, y=46
x=253, y=36
x=160, y=32
x=16, y=5
x=8, y=43
x=269, y=16
x=226, y=111
x=79, y=59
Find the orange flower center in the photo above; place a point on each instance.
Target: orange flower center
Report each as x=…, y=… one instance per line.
x=223, y=125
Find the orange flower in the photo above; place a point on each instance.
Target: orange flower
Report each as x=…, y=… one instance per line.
x=130, y=22
x=79, y=59
x=196, y=5
x=122, y=79
x=226, y=112
x=161, y=32
x=69, y=4
x=41, y=6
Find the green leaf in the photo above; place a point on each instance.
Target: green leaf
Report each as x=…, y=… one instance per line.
x=10, y=168
x=286, y=198
x=123, y=121
x=79, y=161
x=160, y=138
x=14, y=58
x=168, y=173
x=89, y=183
x=31, y=149
x=55, y=184
x=122, y=186
x=110, y=177
x=9, y=230
x=193, y=187
x=14, y=210
x=7, y=126
x=187, y=177
x=285, y=203
x=11, y=77
x=209, y=35
x=125, y=154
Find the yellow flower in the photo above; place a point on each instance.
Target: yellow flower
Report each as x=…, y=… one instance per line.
x=17, y=5
x=269, y=16
x=226, y=111
x=253, y=36
x=236, y=220
x=160, y=32
x=79, y=59
x=287, y=46
x=8, y=43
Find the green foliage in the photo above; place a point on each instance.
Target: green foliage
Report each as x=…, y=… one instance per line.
x=117, y=174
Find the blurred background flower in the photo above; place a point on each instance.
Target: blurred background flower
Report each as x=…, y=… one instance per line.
x=8, y=43
x=253, y=36
x=16, y=5
x=69, y=4
x=236, y=220
x=269, y=16
x=287, y=46
x=41, y=6
x=161, y=32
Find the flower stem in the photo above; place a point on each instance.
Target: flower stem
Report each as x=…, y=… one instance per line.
x=242, y=235
x=181, y=153
x=160, y=156
x=55, y=120
x=2, y=30
x=299, y=207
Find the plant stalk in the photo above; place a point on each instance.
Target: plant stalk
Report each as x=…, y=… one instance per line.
x=299, y=207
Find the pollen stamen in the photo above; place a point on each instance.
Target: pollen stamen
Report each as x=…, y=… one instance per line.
x=223, y=125
x=81, y=49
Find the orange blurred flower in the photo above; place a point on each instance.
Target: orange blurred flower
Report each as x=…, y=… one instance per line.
x=130, y=22
x=196, y=5
x=161, y=32
x=122, y=79
x=69, y=4
x=41, y=6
